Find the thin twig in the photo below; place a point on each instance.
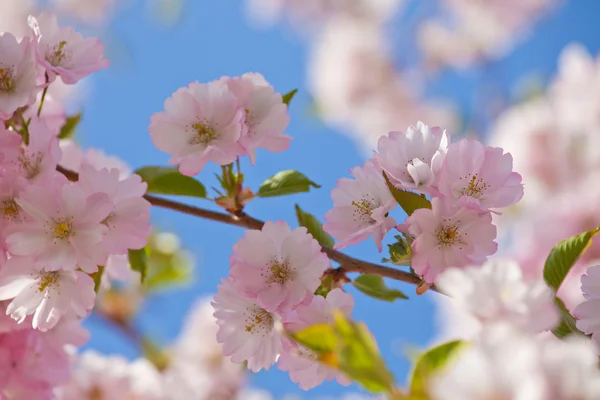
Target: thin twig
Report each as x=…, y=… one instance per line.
x=348, y=263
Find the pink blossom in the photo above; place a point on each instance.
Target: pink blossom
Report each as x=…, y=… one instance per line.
x=360, y=208
x=46, y=295
x=65, y=228
x=247, y=331
x=412, y=159
x=128, y=222
x=278, y=266
x=449, y=236
x=266, y=114
x=11, y=186
x=10, y=149
x=201, y=123
x=479, y=177
x=300, y=361
x=64, y=52
x=38, y=160
x=588, y=313
x=73, y=157
x=18, y=74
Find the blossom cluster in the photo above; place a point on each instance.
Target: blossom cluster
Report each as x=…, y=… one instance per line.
x=274, y=274
x=55, y=234
x=220, y=121
x=465, y=180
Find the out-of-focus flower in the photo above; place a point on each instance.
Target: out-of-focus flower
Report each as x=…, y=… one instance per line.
x=94, y=12
x=587, y=313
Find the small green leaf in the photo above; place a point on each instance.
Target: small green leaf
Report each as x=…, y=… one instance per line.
x=68, y=129
x=409, y=201
x=98, y=278
x=314, y=227
x=284, y=183
x=319, y=338
x=168, y=180
x=374, y=286
x=326, y=286
x=563, y=256
x=287, y=98
x=138, y=261
x=567, y=324
x=429, y=363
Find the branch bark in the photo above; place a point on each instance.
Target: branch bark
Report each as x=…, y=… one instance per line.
x=347, y=263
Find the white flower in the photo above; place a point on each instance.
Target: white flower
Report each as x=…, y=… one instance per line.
x=497, y=292
x=588, y=312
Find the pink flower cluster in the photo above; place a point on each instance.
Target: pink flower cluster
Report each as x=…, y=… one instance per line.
x=465, y=181
x=54, y=233
x=273, y=276
x=220, y=121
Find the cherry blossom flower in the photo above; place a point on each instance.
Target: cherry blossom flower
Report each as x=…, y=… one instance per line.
x=38, y=160
x=587, y=314
x=266, y=114
x=18, y=74
x=479, y=177
x=412, y=159
x=11, y=186
x=247, y=331
x=497, y=292
x=201, y=123
x=65, y=230
x=449, y=236
x=300, y=361
x=279, y=267
x=73, y=157
x=128, y=222
x=46, y=295
x=97, y=376
x=360, y=208
x=9, y=146
x=63, y=52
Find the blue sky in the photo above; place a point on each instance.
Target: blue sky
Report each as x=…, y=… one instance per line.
x=214, y=39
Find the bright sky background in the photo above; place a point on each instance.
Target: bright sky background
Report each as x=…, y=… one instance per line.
x=215, y=39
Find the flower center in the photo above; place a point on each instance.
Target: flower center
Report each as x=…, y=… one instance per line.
x=280, y=273
x=10, y=209
x=449, y=236
x=476, y=186
x=47, y=279
x=7, y=80
x=363, y=209
x=31, y=164
x=259, y=321
x=108, y=220
x=62, y=229
x=58, y=54
x=204, y=133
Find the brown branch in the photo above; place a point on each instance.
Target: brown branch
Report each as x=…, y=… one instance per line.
x=347, y=263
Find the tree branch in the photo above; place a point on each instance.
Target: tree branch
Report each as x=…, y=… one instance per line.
x=347, y=263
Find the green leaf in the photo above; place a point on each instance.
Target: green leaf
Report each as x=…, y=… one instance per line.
x=409, y=201
x=314, y=227
x=98, y=278
x=326, y=286
x=563, y=256
x=567, y=324
x=68, y=129
x=138, y=261
x=168, y=180
x=429, y=363
x=319, y=338
x=287, y=98
x=165, y=270
x=374, y=286
x=284, y=183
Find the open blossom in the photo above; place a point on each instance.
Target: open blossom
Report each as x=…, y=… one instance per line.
x=128, y=222
x=47, y=295
x=266, y=114
x=300, y=361
x=201, y=123
x=279, y=267
x=360, y=208
x=412, y=159
x=64, y=52
x=18, y=74
x=65, y=229
x=73, y=157
x=38, y=160
x=588, y=312
x=11, y=186
x=247, y=331
x=497, y=292
x=449, y=236
x=479, y=177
